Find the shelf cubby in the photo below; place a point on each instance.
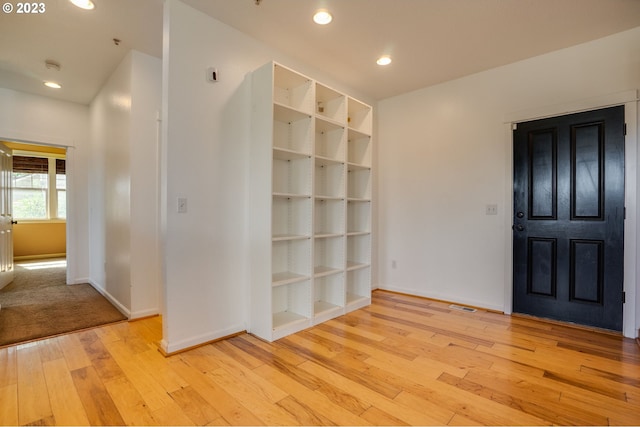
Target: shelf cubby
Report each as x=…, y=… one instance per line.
x=329, y=178
x=358, y=217
x=292, y=89
x=329, y=297
x=291, y=174
x=328, y=256
x=359, y=183
x=290, y=217
x=359, y=116
x=358, y=284
x=292, y=130
x=290, y=307
x=358, y=250
x=330, y=104
x=290, y=259
x=329, y=140
x=328, y=217
x=359, y=148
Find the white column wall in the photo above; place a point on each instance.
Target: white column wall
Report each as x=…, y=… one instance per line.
x=205, y=153
x=125, y=264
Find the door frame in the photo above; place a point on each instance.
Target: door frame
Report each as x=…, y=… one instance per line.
x=630, y=98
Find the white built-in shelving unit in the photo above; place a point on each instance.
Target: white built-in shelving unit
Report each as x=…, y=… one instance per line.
x=310, y=203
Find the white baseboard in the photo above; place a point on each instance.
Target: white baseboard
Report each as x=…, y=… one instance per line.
x=124, y=310
x=175, y=346
x=442, y=297
x=139, y=314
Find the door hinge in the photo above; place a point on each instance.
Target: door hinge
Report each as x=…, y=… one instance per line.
x=624, y=213
x=625, y=129
x=624, y=297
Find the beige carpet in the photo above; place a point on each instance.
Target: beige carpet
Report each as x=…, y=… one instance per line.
x=38, y=304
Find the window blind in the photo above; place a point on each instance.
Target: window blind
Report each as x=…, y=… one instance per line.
x=26, y=164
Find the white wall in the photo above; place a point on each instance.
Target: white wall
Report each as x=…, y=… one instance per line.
x=123, y=178
x=205, y=159
x=37, y=119
x=444, y=156
x=145, y=192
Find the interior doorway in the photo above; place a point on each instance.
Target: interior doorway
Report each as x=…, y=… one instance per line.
x=39, y=201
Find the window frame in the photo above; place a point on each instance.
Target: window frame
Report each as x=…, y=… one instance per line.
x=51, y=190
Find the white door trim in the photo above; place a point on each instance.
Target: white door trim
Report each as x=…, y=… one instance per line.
x=631, y=317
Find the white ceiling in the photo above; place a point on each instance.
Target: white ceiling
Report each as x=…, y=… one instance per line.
x=430, y=41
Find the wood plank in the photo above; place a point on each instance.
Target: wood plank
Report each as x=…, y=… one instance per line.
x=65, y=403
x=73, y=351
x=303, y=414
x=97, y=403
x=33, y=397
x=153, y=363
x=554, y=414
x=9, y=406
x=50, y=349
x=381, y=418
x=413, y=416
x=316, y=404
x=194, y=406
x=243, y=375
x=121, y=355
x=104, y=364
x=232, y=411
x=129, y=401
x=8, y=366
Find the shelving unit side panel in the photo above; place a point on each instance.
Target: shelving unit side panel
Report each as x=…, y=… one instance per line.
x=259, y=303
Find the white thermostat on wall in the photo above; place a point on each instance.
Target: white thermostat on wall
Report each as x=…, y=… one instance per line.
x=212, y=74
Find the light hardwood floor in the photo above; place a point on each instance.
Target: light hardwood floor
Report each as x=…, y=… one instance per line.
x=401, y=361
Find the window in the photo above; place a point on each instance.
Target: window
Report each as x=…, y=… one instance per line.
x=39, y=188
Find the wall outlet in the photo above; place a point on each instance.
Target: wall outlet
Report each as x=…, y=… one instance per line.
x=491, y=210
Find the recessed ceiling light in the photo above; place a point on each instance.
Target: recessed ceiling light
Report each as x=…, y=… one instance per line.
x=84, y=4
x=322, y=17
x=384, y=60
x=52, y=85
